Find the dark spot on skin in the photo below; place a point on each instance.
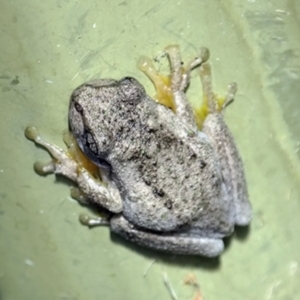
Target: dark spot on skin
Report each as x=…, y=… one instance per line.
x=147, y=181
x=193, y=155
x=202, y=164
x=158, y=192
x=216, y=182
x=168, y=204
x=194, y=219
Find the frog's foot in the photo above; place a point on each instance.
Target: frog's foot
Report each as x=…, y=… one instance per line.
x=161, y=82
x=180, y=75
x=167, y=242
x=62, y=163
x=211, y=102
x=170, y=90
x=75, y=166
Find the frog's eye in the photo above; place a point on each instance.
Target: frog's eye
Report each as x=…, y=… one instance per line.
x=89, y=144
x=132, y=90
x=91, y=150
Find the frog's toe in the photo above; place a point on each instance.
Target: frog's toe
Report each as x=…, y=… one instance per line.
x=78, y=195
x=204, y=54
x=197, y=61
x=231, y=91
x=44, y=168
x=93, y=221
x=31, y=133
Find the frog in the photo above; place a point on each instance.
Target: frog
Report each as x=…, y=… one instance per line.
x=169, y=176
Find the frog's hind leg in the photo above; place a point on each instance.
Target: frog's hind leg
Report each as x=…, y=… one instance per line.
x=180, y=78
x=170, y=90
x=223, y=142
x=167, y=242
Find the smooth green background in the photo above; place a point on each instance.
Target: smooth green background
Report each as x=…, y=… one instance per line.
x=50, y=47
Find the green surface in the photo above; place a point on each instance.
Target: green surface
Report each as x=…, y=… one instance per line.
x=50, y=47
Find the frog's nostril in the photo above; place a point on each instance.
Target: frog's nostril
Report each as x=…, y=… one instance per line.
x=78, y=107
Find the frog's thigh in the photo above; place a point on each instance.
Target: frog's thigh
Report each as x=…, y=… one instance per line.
x=168, y=243
x=231, y=164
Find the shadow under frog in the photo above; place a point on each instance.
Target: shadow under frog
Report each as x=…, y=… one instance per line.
x=169, y=181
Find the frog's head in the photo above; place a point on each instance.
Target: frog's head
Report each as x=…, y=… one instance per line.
x=130, y=90
x=97, y=111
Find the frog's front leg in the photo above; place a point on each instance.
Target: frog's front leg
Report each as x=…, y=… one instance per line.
x=174, y=243
x=103, y=193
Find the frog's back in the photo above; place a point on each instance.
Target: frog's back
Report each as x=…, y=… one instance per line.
x=168, y=176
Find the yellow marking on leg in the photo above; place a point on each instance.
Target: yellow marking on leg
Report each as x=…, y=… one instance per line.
x=75, y=153
x=211, y=103
x=162, y=83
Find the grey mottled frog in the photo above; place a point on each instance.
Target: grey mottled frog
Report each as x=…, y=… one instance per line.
x=171, y=179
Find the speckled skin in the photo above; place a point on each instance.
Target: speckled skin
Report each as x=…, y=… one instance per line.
x=168, y=185
x=168, y=175
x=231, y=166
